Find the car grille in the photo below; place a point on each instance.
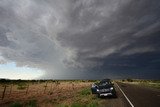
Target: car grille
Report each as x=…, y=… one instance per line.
x=104, y=90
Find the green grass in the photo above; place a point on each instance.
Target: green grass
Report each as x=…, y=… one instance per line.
x=86, y=91
x=30, y=103
x=151, y=84
x=83, y=98
x=62, y=105
x=92, y=104
x=16, y=104
x=148, y=83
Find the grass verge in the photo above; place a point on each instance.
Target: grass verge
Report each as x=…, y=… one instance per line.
x=148, y=83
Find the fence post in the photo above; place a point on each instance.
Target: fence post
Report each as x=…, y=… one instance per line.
x=45, y=87
x=57, y=84
x=73, y=86
x=4, y=92
x=51, y=88
x=27, y=89
x=10, y=90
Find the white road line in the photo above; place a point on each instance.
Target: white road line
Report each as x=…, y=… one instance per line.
x=125, y=95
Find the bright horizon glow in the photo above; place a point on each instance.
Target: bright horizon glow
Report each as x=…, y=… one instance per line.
x=11, y=71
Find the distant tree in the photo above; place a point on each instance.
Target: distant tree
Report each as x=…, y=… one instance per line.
x=129, y=80
x=123, y=80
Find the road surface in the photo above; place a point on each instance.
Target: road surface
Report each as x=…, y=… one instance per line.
x=120, y=101
x=141, y=96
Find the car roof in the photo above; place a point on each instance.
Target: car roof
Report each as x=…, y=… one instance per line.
x=105, y=80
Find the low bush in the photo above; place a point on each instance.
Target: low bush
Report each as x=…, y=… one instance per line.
x=93, y=104
x=22, y=86
x=85, y=91
x=16, y=104
x=77, y=105
x=129, y=80
x=31, y=103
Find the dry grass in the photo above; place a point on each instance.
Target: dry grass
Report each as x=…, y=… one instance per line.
x=147, y=83
x=49, y=94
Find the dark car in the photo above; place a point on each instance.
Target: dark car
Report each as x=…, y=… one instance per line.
x=104, y=88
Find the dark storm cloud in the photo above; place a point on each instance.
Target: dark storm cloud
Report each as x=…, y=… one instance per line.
x=82, y=38
x=3, y=39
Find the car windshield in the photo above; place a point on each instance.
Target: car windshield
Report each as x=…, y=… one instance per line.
x=102, y=83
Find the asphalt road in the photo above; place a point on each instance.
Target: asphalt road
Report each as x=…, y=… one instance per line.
x=120, y=101
x=140, y=96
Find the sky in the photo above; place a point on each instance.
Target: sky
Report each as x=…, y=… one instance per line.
x=79, y=39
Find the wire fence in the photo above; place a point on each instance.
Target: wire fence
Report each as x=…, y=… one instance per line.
x=12, y=92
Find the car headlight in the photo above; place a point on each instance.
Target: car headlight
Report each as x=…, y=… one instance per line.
x=97, y=89
x=111, y=88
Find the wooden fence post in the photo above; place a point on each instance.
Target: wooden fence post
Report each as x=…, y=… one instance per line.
x=57, y=84
x=45, y=87
x=51, y=88
x=10, y=90
x=73, y=86
x=27, y=89
x=4, y=92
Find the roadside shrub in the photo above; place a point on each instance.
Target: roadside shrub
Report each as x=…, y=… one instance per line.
x=129, y=80
x=85, y=91
x=123, y=80
x=92, y=80
x=31, y=103
x=77, y=105
x=93, y=104
x=22, y=86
